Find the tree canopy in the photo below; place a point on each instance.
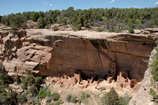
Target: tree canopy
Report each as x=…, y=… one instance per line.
x=111, y=19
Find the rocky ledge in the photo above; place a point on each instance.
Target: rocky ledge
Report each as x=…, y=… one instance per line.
x=94, y=54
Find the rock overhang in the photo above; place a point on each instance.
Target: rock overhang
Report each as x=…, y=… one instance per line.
x=65, y=52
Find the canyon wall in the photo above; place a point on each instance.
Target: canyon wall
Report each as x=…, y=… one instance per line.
x=56, y=53
x=142, y=97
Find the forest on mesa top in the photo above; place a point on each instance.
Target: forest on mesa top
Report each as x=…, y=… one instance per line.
x=110, y=19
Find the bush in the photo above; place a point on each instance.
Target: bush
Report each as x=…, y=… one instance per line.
x=131, y=30
x=74, y=28
x=68, y=97
x=99, y=30
x=58, y=103
x=152, y=92
x=79, y=26
x=55, y=96
x=21, y=98
x=41, y=22
x=4, y=78
x=117, y=30
x=33, y=90
x=23, y=25
x=24, y=86
x=55, y=28
x=111, y=30
x=30, y=79
x=110, y=98
x=124, y=100
x=73, y=99
x=84, y=96
x=37, y=81
x=47, y=26
x=66, y=26
x=42, y=93
x=125, y=28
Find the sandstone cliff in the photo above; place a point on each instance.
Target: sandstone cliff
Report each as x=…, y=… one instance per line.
x=56, y=53
x=142, y=97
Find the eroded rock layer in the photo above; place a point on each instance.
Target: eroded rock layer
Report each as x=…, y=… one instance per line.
x=56, y=53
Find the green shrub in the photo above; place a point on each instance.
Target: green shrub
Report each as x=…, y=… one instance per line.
x=30, y=79
x=66, y=26
x=79, y=26
x=23, y=25
x=33, y=102
x=47, y=26
x=41, y=22
x=38, y=103
x=21, y=98
x=68, y=97
x=84, y=95
x=33, y=90
x=42, y=93
x=92, y=23
x=59, y=102
x=4, y=79
x=24, y=86
x=125, y=27
x=74, y=28
x=73, y=99
x=152, y=92
x=55, y=96
x=124, y=100
x=79, y=101
x=117, y=30
x=38, y=80
x=131, y=30
x=110, y=98
x=111, y=30
x=55, y=28
x=99, y=30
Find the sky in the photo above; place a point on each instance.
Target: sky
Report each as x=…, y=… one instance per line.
x=16, y=6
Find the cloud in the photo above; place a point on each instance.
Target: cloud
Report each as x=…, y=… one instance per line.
x=44, y=3
x=156, y=3
x=135, y=6
x=50, y=4
x=112, y=1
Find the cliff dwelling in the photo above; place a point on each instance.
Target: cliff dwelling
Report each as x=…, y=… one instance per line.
x=77, y=56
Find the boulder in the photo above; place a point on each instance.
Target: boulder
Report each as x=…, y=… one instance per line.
x=30, y=65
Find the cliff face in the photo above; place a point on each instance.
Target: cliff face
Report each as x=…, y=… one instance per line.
x=55, y=53
x=142, y=97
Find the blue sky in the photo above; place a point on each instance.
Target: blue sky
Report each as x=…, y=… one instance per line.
x=16, y=6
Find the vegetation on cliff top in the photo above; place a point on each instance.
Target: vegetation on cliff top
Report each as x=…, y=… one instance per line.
x=113, y=19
